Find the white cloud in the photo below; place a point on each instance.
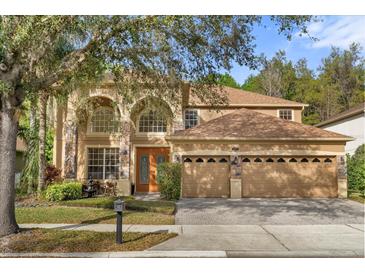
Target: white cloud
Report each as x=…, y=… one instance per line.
x=338, y=31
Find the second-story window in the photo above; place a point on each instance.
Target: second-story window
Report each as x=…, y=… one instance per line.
x=152, y=121
x=105, y=120
x=191, y=118
x=286, y=114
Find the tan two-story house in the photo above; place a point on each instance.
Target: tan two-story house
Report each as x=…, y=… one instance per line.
x=254, y=146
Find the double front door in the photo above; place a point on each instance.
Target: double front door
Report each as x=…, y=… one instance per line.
x=148, y=159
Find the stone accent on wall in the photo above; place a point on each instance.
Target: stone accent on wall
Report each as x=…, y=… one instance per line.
x=178, y=121
x=342, y=176
x=125, y=148
x=71, y=138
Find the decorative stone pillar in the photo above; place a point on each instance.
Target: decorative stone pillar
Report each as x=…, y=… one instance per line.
x=70, y=165
x=341, y=176
x=125, y=150
x=235, y=178
x=124, y=184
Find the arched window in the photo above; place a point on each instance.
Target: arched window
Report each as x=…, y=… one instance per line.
x=152, y=121
x=223, y=160
x=269, y=160
x=105, y=120
x=199, y=160
x=316, y=160
x=304, y=160
x=328, y=160
x=258, y=160
x=281, y=160
x=246, y=160
x=293, y=160
x=211, y=160
x=187, y=160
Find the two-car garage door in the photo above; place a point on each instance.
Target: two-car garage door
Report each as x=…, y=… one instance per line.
x=261, y=176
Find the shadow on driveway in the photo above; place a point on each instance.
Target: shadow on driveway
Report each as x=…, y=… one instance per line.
x=260, y=211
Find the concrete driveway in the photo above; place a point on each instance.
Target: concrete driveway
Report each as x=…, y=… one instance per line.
x=270, y=227
x=255, y=211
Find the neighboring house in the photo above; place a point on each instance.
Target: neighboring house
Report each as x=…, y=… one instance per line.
x=255, y=146
x=21, y=147
x=350, y=122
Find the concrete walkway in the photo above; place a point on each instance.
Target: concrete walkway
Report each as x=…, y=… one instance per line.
x=238, y=240
x=110, y=227
x=272, y=240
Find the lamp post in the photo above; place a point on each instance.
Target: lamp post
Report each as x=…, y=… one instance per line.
x=118, y=208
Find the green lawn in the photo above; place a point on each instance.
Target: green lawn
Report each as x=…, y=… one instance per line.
x=164, y=207
x=77, y=215
x=94, y=210
x=358, y=197
x=54, y=240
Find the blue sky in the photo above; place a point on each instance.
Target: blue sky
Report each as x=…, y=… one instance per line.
x=337, y=31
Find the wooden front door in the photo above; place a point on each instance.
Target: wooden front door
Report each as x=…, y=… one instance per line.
x=147, y=160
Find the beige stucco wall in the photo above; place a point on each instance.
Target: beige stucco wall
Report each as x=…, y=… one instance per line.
x=206, y=114
x=258, y=147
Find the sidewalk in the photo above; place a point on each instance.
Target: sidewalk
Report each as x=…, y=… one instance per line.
x=233, y=240
x=110, y=227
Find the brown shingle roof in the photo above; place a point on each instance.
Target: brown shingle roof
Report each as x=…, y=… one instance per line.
x=343, y=115
x=248, y=124
x=247, y=98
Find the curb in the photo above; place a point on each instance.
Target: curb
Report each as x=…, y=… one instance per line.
x=132, y=254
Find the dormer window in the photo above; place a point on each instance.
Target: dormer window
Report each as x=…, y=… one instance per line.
x=152, y=121
x=190, y=118
x=286, y=114
x=105, y=120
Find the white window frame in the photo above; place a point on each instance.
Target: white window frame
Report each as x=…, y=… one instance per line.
x=151, y=133
x=89, y=127
x=197, y=113
x=286, y=109
x=103, y=165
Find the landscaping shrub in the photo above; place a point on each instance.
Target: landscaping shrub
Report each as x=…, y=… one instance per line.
x=356, y=170
x=52, y=174
x=64, y=191
x=169, y=180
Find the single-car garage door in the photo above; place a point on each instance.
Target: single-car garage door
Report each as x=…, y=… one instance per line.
x=205, y=177
x=289, y=177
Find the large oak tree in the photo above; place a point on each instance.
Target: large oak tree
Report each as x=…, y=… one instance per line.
x=155, y=53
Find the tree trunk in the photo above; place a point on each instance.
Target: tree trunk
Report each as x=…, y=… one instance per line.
x=32, y=124
x=42, y=140
x=9, y=127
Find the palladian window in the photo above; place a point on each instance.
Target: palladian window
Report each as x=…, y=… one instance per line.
x=152, y=121
x=105, y=120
